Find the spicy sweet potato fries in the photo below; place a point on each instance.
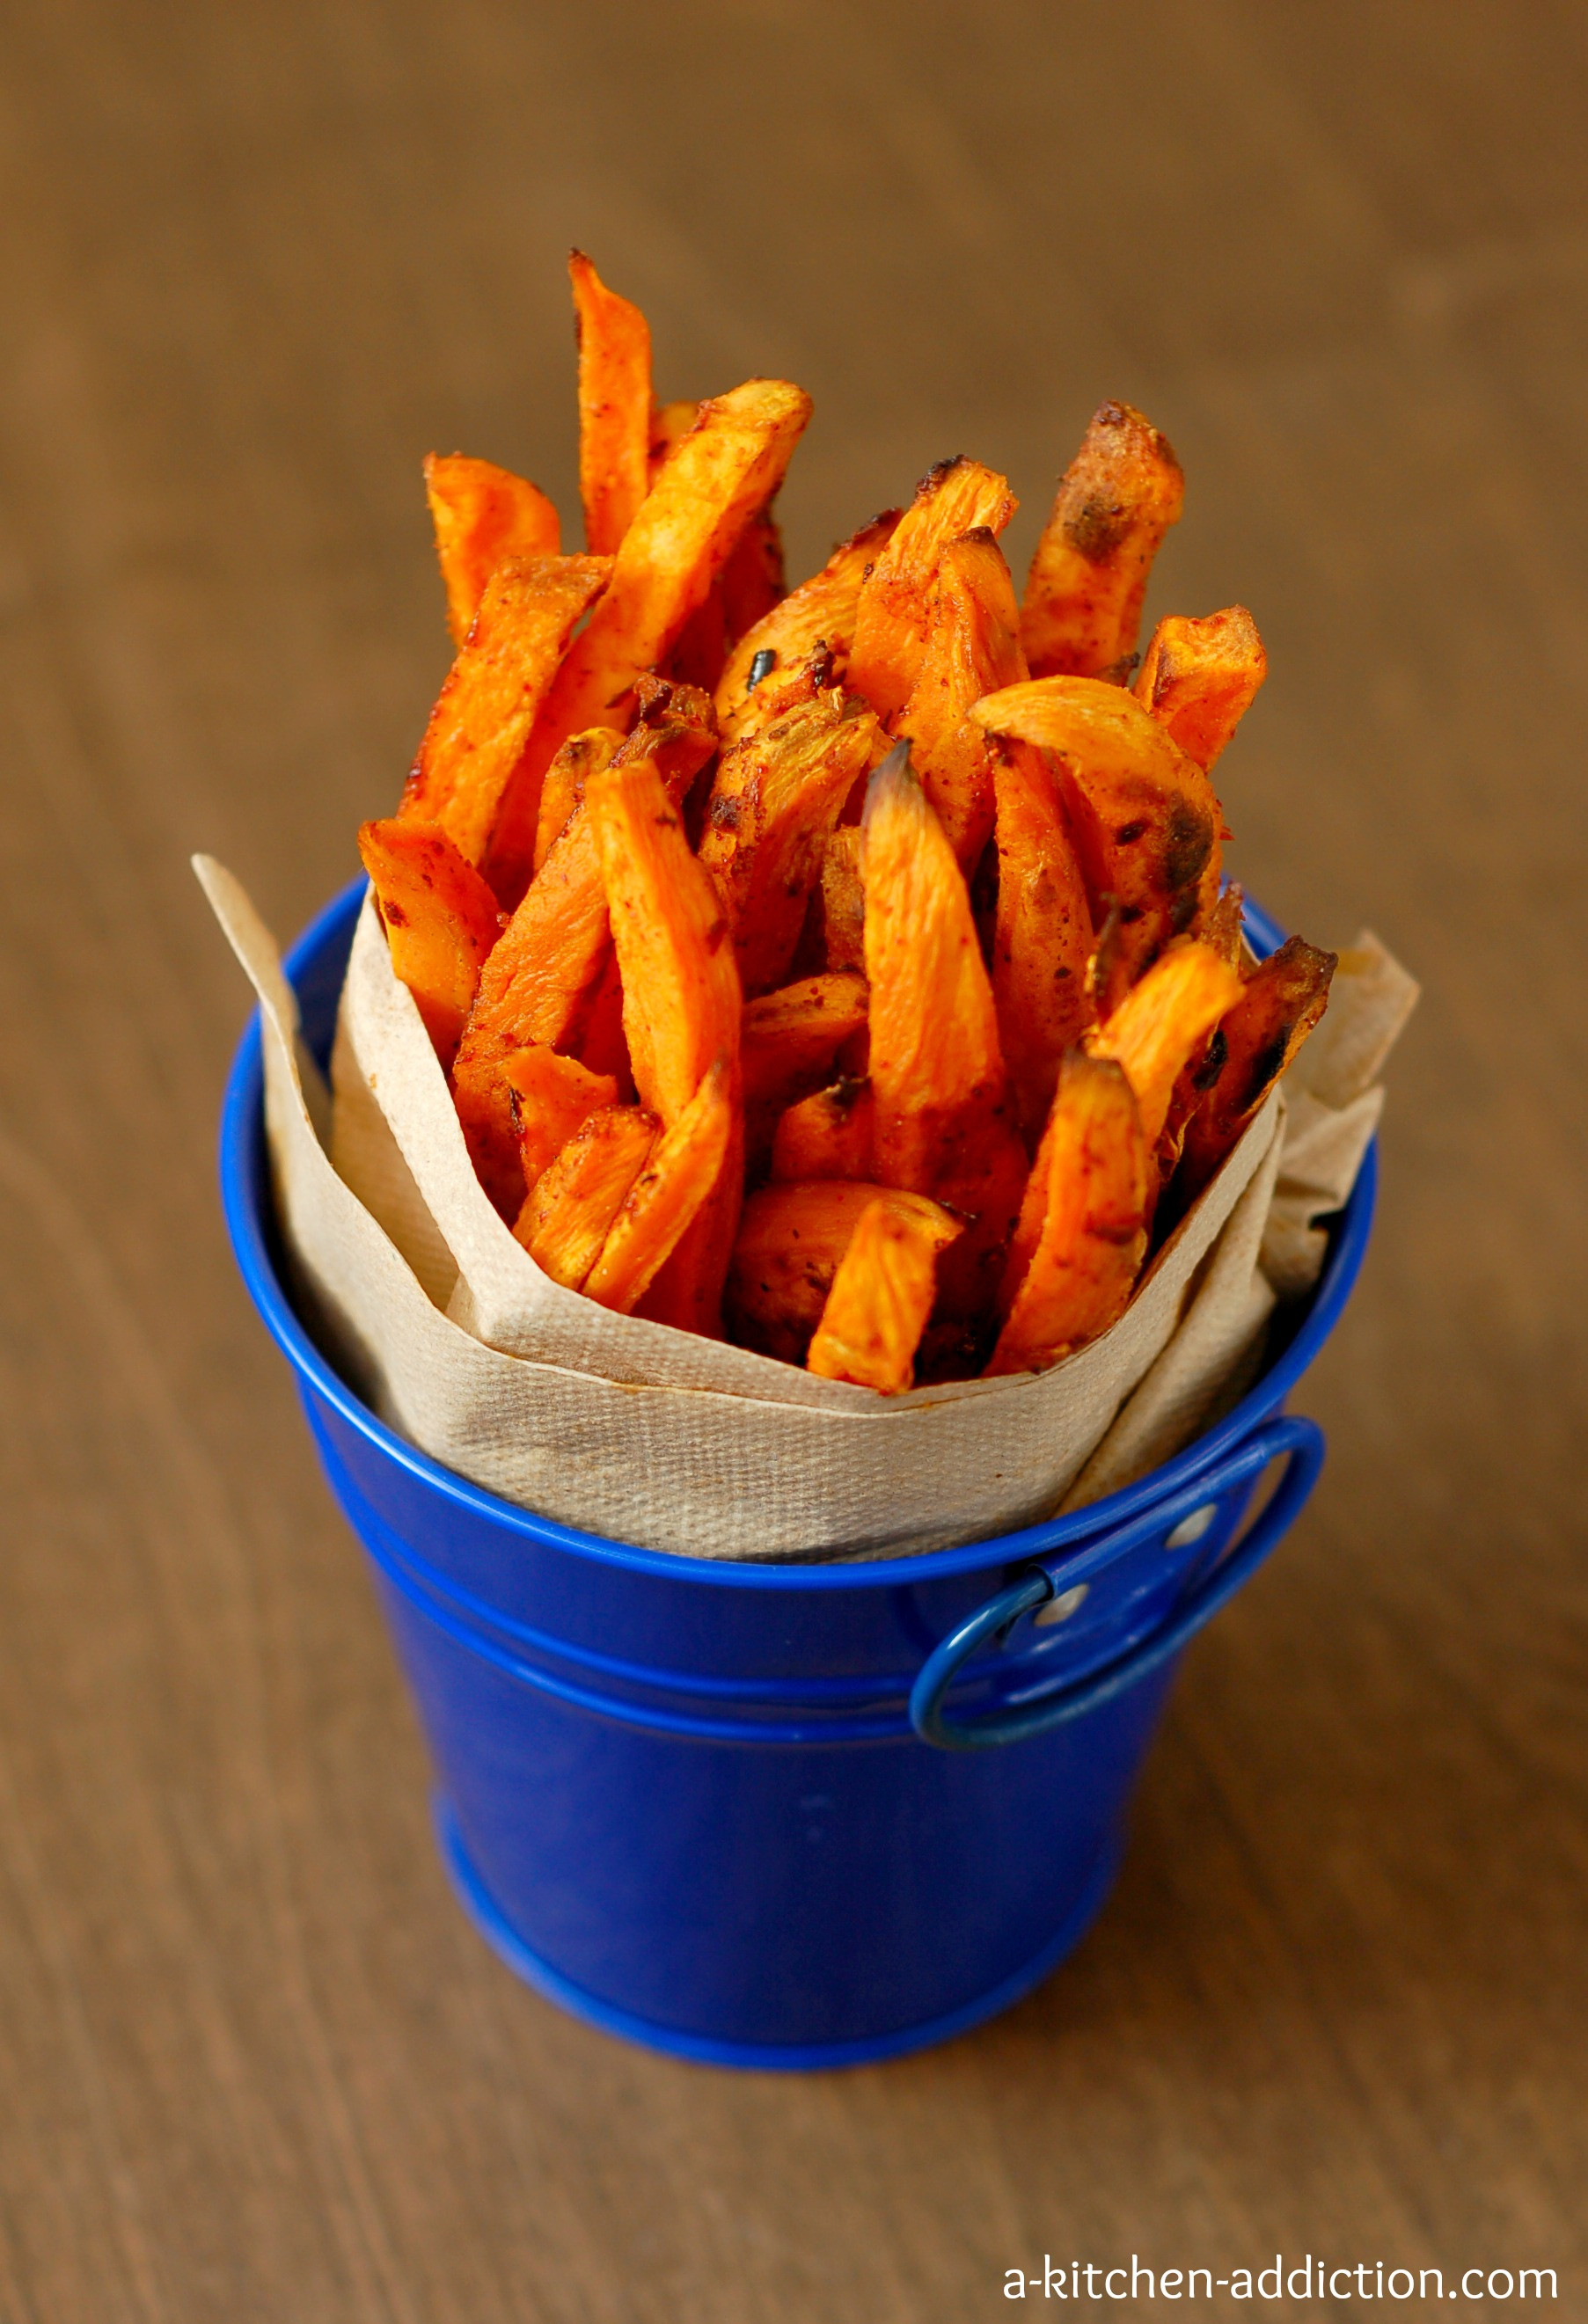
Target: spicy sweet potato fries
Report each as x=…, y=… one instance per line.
x=844, y=969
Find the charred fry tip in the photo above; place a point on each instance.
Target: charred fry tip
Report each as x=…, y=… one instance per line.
x=934, y=474
x=1114, y=413
x=894, y=783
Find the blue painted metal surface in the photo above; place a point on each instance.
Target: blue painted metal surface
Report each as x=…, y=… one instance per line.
x=749, y=1814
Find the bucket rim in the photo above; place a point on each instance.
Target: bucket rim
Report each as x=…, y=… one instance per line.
x=244, y=1175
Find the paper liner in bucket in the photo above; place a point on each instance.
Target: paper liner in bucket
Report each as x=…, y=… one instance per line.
x=641, y=1434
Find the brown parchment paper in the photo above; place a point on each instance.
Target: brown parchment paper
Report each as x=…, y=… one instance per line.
x=624, y=1427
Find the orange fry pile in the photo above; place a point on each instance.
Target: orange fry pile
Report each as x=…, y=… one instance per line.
x=843, y=970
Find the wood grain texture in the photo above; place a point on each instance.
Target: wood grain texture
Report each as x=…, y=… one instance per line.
x=255, y=261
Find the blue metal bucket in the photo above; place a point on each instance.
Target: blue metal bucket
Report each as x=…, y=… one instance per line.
x=791, y=1816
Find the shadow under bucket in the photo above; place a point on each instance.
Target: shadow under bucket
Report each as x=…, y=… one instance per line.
x=790, y=1816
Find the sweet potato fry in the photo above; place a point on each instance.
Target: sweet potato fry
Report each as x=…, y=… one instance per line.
x=726, y=467
x=488, y=704
x=670, y=424
x=440, y=920
x=1221, y=931
x=681, y=1175
x=789, y=1042
x=675, y=728
x=564, y=786
x=614, y=407
x=1083, y=1228
x=482, y=515
x=944, y=1112
x=844, y=898
x=703, y=643
x=1199, y=678
x=791, y=1242
x=681, y=1011
x=819, y=611
x=776, y=797
x=568, y=1212
x=1115, y=501
x=542, y=978
x=882, y=1295
x=955, y=497
x=601, y=1043
x=752, y=583
x=1164, y=1021
x=746, y=589
x=1147, y=827
x=681, y=993
x=529, y=810
x=972, y=648
x=1042, y=934
x=548, y=973
x=937, y=1065
x=552, y=1096
x=1281, y=1002
x=828, y=1135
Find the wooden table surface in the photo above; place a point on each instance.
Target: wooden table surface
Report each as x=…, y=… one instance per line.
x=254, y=261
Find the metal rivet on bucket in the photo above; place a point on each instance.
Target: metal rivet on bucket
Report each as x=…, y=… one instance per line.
x=1193, y=1527
x=1059, y=1609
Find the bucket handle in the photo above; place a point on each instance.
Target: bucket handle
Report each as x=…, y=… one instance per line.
x=1300, y=1443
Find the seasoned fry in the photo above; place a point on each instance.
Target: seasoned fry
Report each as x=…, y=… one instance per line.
x=936, y=1066
x=820, y=610
x=844, y=898
x=1220, y=932
x=830, y=1134
x=681, y=993
x=726, y=467
x=601, y=1045
x=1082, y=613
x=614, y=407
x=680, y=1174
x=1042, y=934
x=536, y=988
x=440, y=920
x=881, y=1297
x=944, y=1117
x=791, y=1243
x=580, y=756
x=670, y=424
x=777, y=795
x=552, y=1096
x=1281, y=1002
x=1199, y=678
x=972, y=648
x=550, y=979
x=674, y=725
x=753, y=582
x=1163, y=1022
x=955, y=497
x=703, y=643
x=488, y=704
x=681, y=1011
x=689, y=790
x=482, y=515
x=569, y=1213
x=1147, y=827
x=791, y=1041
x=1082, y=1229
